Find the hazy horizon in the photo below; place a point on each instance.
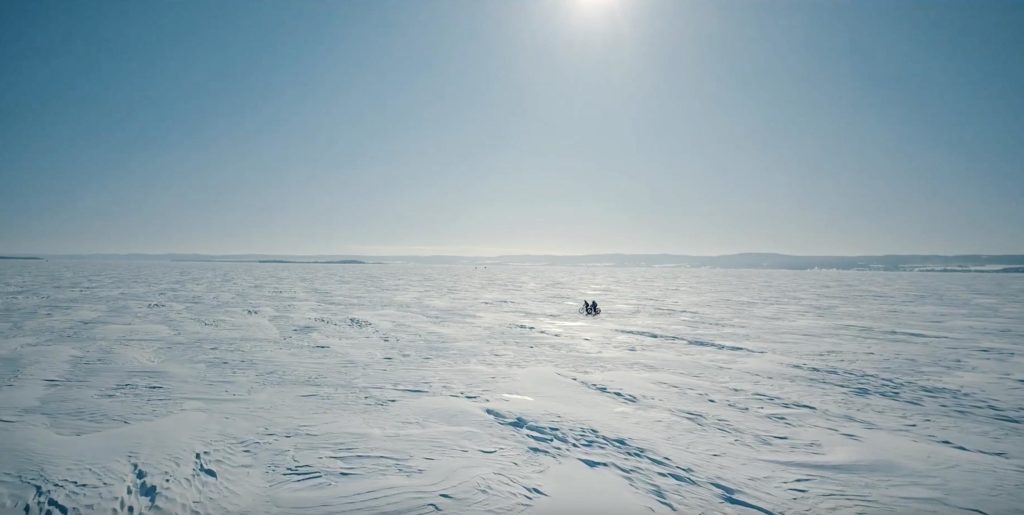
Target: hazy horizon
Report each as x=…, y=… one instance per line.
x=485, y=256
x=495, y=128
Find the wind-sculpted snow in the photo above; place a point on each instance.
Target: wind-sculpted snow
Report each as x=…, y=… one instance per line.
x=252, y=388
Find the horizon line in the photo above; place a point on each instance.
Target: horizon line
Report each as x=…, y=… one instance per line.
x=577, y=255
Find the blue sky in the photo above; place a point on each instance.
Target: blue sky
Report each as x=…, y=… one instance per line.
x=487, y=127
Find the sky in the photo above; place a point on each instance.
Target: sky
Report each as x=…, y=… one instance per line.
x=481, y=127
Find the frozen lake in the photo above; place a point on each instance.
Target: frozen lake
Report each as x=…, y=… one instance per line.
x=231, y=388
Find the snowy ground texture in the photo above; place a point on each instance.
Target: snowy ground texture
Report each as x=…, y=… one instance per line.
x=241, y=388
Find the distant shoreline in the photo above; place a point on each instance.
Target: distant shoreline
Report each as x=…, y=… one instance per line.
x=279, y=261
x=335, y=262
x=24, y=258
x=963, y=263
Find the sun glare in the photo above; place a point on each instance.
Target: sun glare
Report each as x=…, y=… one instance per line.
x=594, y=4
x=591, y=11
x=593, y=7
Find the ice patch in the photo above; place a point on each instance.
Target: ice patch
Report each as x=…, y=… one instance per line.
x=514, y=396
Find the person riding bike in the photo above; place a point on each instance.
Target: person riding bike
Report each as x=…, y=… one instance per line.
x=586, y=306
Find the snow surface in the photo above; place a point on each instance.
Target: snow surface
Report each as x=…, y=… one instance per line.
x=231, y=388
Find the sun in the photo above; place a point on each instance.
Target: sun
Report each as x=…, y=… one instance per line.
x=594, y=5
x=593, y=11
